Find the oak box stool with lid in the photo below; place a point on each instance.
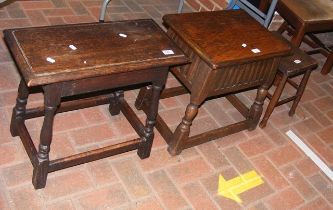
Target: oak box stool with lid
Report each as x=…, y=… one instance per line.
x=230, y=53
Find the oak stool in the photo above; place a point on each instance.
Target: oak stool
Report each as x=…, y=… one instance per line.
x=69, y=61
x=230, y=52
x=299, y=63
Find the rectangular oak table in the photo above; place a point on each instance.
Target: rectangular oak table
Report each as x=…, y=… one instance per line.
x=230, y=52
x=72, y=60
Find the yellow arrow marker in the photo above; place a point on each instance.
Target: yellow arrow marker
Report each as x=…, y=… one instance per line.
x=233, y=187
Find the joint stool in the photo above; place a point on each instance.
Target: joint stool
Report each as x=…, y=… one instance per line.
x=299, y=63
x=230, y=52
x=74, y=60
x=304, y=18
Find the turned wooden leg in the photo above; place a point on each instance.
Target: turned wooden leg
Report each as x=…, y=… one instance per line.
x=300, y=91
x=328, y=64
x=144, y=95
x=256, y=108
x=20, y=108
x=183, y=130
x=114, y=107
x=147, y=140
x=52, y=96
x=274, y=101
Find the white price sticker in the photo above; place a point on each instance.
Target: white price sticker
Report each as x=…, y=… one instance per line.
x=297, y=61
x=72, y=47
x=168, y=52
x=51, y=60
x=122, y=35
x=255, y=50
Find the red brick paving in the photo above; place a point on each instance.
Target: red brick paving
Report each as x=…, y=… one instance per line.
x=166, y=190
x=297, y=180
x=187, y=181
x=198, y=197
x=286, y=199
x=270, y=173
x=107, y=197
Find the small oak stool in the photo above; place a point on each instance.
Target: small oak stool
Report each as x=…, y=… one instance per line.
x=306, y=17
x=299, y=63
x=73, y=60
x=230, y=52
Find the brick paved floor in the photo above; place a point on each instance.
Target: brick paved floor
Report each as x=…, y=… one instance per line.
x=187, y=181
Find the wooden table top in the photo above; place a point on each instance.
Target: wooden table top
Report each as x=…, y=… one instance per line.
x=52, y=54
x=226, y=37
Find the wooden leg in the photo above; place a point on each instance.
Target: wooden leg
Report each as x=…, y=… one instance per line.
x=313, y=41
x=183, y=130
x=147, y=140
x=114, y=107
x=277, y=80
x=300, y=91
x=52, y=96
x=256, y=108
x=144, y=95
x=20, y=108
x=274, y=101
x=296, y=40
x=328, y=64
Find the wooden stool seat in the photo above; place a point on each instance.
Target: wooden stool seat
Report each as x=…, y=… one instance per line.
x=85, y=65
x=299, y=63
